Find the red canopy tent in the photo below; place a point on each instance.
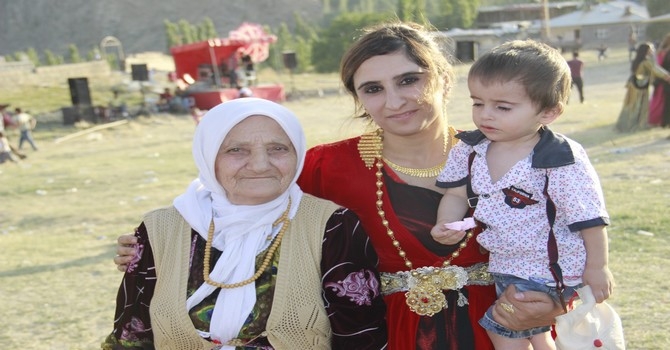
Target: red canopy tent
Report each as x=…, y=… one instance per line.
x=190, y=59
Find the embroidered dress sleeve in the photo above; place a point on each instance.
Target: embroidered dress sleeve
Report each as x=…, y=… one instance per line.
x=351, y=285
x=132, y=323
x=455, y=172
x=576, y=191
x=310, y=178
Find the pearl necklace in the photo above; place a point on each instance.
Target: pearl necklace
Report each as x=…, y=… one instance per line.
x=284, y=220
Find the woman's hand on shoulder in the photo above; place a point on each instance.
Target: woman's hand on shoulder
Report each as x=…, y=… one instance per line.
x=528, y=309
x=125, y=251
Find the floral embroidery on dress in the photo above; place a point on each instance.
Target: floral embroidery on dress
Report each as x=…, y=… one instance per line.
x=360, y=287
x=132, y=265
x=139, y=251
x=131, y=329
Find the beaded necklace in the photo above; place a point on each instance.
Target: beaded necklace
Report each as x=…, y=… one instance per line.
x=425, y=296
x=284, y=220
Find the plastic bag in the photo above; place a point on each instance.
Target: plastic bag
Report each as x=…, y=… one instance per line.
x=589, y=326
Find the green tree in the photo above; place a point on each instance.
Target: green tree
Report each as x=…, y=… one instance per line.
x=207, y=30
x=73, y=52
x=172, y=34
x=338, y=36
x=326, y=7
x=51, y=58
x=344, y=6
x=455, y=14
x=419, y=15
x=405, y=10
x=304, y=29
x=303, y=55
x=188, y=31
x=33, y=57
x=285, y=40
x=93, y=54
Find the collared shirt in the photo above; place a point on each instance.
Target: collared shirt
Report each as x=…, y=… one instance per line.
x=514, y=207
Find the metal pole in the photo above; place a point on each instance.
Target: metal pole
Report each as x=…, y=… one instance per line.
x=215, y=67
x=546, y=30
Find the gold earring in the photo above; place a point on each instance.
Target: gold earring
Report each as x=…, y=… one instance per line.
x=370, y=147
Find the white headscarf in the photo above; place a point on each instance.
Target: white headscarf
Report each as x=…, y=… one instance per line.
x=241, y=231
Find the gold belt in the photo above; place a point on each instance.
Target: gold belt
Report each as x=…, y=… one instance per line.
x=424, y=286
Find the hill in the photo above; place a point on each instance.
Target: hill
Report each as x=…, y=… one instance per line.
x=139, y=25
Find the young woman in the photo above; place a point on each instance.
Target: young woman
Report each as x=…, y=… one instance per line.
x=634, y=114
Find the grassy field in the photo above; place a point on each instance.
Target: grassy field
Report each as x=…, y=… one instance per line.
x=64, y=206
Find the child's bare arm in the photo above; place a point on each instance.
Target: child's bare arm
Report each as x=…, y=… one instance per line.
x=596, y=272
x=453, y=207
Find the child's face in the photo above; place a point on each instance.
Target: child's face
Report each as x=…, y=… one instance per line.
x=503, y=111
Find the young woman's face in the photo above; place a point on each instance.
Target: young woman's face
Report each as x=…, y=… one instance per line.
x=503, y=111
x=256, y=161
x=391, y=89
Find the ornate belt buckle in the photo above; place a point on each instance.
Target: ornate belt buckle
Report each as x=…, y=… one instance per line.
x=425, y=296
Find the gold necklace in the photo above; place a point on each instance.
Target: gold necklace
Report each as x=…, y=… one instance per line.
x=370, y=147
x=425, y=297
x=284, y=220
x=426, y=172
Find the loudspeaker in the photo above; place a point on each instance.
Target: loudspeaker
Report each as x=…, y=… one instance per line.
x=79, y=93
x=139, y=72
x=290, y=61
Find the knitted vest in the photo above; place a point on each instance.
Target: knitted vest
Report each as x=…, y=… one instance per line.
x=298, y=319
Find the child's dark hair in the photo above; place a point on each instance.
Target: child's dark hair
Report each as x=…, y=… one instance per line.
x=540, y=68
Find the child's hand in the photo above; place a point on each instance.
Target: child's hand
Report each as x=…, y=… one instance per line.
x=445, y=236
x=600, y=280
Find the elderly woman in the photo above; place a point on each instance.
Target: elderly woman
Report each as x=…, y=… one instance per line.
x=244, y=259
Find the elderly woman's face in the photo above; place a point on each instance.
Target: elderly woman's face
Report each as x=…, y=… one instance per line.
x=256, y=161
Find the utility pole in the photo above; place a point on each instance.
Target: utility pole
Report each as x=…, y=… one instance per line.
x=546, y=30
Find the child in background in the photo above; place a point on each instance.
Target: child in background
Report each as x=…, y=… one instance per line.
x=520, y=170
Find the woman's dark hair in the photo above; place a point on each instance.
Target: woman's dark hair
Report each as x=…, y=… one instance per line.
x=640, y=56
x=415, y=41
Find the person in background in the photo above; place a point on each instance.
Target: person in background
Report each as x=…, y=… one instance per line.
x=7, y=123
x=400, y=81
x=26, y=123
x=602, y=52
x=165, y=100
x=6, y=153
x=243, y=259
x=659, y=106
x=117, y=107
x=576, y=69
x=531, y=184
x=634, y=114
x=244, y=92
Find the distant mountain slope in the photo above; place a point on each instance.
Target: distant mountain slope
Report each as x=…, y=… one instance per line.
x=138, y=24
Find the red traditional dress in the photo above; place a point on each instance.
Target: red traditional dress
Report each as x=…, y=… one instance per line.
x=336, y=172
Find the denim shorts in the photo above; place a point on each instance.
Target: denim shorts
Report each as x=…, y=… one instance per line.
x=522, y=285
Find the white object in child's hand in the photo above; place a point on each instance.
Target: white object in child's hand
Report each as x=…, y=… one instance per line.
x=464, y=225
